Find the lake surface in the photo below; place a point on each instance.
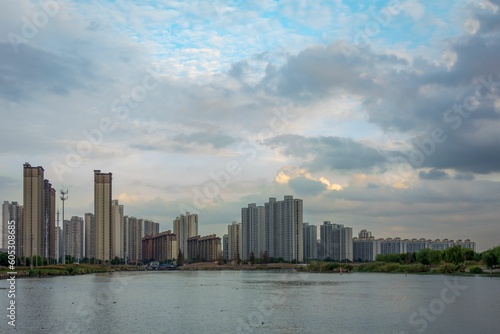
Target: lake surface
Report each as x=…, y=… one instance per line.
x=254, y=302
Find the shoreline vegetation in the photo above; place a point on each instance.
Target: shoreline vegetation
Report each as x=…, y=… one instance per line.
x=454, y=260
x=471, y=268
x=65, y=270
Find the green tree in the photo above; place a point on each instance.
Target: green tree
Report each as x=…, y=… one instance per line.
x=454, y=255
x=490, y=259
x=4, y=259
x=468, y=254
x=265, y=257
x=252, y=258
x=435, y=257
x=180, y=258
x=423, y=256
x=238, y=259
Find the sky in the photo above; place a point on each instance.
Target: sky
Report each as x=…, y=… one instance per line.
x=379, y=115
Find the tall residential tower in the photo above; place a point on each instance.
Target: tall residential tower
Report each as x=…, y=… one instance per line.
x=103, y=215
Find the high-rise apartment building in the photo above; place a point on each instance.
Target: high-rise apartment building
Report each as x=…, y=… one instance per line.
x=270, y=225
x=310, y=242
x=290, y=229
x=279, y=224
x=103, y=215
x=185, y=226
x=160, y=247
x=393, y=246
x=252, y=220
x=73, y=237
x=38, y=224
x=225, y=247
x=205, y=249
x=365, y=247
x=134, y=230
x=336, y=242
x=415, y=245
x=234, y=240
x=117, y=229
x=133, y=233
x=10, y=212
x=89, y=235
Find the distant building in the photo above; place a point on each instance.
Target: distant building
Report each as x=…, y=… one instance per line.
x=103, y=216
x=393, y=246
x=442, y=244
x=135, y=229
x=205, y=249
x=336, y=242
x=159, y=247
x=73, y=237
x=310, y=242
x=416, y=245
x=251, y=220
x=185, y=226
x=365, y=247
x=10, y=212
x=134, y=232
x=117, y=229
x=281, y=229
x=225, y=247
x=38, y=227
x=466, y=244
x=89, y=235
x=234, y=239
x=402, y=246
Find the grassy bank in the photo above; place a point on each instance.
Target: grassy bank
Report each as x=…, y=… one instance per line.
x=391, y=267
x=67, y=269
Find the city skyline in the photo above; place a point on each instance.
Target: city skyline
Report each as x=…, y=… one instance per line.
x=380, y=116
x=261, y=233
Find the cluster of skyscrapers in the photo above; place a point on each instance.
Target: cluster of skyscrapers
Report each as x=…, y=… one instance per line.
x=102, y=235
x=275, y=229
x=366, y=247
x=184, y=242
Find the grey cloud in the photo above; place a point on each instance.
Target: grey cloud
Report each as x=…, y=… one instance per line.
x=464, y=176
x=328, y=152
x=32, y=71
x=306, y=187
x=433, y=174
x=413, y=98
x=6, y=182
x=238, y=69
x=185, y=143
x=204, y=138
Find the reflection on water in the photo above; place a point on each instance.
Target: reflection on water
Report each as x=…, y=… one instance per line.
x=255, y=302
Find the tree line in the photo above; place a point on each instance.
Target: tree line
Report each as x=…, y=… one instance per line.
x=455, y=255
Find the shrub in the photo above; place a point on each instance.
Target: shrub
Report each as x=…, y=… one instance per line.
x=476, y=270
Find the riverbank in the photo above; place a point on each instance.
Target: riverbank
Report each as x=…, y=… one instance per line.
x=214, y=266
x=65, y=270
x=319, y=267
x=389, y=267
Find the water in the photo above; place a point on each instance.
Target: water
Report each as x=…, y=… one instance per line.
x=254, y=302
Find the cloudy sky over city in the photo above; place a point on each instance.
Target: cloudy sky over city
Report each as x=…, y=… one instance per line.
x=380, y=115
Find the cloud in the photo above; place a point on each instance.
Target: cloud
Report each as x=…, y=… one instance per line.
x=228, y=75
x=304, y=186
x=333, y=153
x=433, y=174
x=33, y=71
x=464, y=176
x=302, y=182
